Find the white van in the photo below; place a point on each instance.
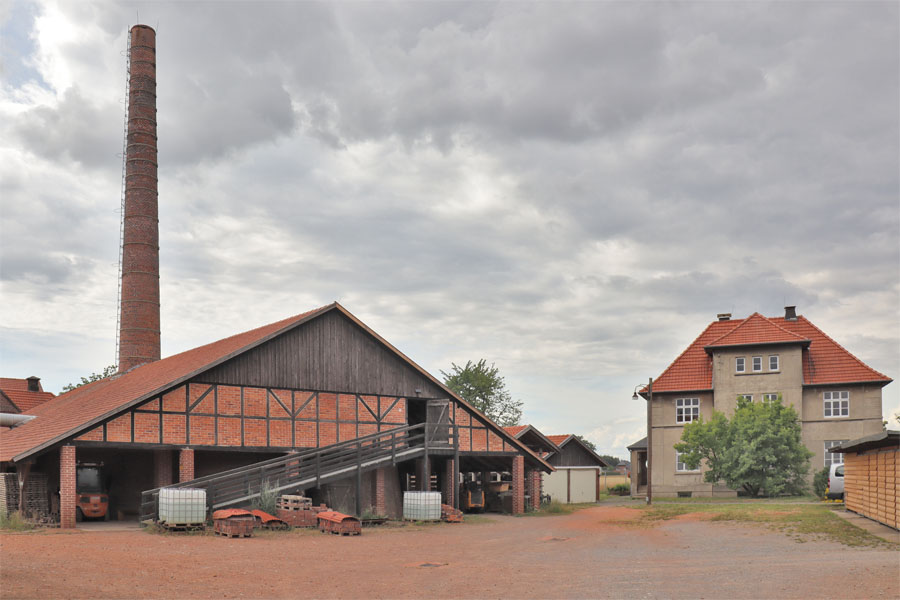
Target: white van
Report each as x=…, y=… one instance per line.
x=836, y=482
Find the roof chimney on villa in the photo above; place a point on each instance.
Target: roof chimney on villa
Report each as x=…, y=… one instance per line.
x=724, y=316
x=790, y=313
x=139, y=307
x=34, y=383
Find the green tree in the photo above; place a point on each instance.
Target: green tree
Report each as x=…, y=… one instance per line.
x=110, y=370
x=483, y=387
x=587, y=442
x=758, y=450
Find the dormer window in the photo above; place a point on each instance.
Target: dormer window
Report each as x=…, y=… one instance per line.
x=740, y=364
x=774, y=363
x=757, y=364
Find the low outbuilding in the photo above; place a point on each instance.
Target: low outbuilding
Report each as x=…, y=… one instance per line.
x=871, y=477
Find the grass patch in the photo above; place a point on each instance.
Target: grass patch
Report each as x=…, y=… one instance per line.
x=737, y=500
x=14, y=522
x=803, y=522
x=558, y=508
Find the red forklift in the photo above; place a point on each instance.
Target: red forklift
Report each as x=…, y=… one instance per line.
x=91, y=497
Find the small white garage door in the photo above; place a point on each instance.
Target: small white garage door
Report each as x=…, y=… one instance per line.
x=571, y=485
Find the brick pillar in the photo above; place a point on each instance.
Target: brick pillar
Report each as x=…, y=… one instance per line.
x=162, y=468
x=449, y=487
x=67, y=487
x=518, y=484
x=380, y=506
x=533, y=487
x=185, y=464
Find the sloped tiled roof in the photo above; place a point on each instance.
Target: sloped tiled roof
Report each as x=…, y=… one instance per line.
x=562, y=440
x=559, y=439
x=76, y=411
x=515, y=430
x=94, y=401
x=17, y=392
x=756, y=329
x=532, y=437
x=824, y=360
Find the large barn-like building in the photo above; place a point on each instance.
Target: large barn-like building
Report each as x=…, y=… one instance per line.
x=311, y=381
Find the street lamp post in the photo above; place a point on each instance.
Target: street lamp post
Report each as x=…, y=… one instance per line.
x=649, y=399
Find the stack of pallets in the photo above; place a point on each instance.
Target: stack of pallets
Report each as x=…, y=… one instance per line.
x=298, y=511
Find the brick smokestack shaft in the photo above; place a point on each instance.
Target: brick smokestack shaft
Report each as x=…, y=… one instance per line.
x=139, y=309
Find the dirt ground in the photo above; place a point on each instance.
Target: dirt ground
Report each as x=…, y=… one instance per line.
x=588, y=554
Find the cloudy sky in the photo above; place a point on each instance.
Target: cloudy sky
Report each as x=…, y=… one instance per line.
x=571, y=191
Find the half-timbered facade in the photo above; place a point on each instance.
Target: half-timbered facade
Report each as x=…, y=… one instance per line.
x=310, y=381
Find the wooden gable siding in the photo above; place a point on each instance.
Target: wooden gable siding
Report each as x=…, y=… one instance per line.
x=327, y=353
x=573, y=455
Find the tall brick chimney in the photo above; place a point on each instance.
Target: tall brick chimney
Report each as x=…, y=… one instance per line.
x=139, y=308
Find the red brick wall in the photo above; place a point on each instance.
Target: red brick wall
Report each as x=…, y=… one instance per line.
x=162, y=468
x=185, y=464
x=533, y=487
x=380, y=507
x=67, y=487
x=518, y=484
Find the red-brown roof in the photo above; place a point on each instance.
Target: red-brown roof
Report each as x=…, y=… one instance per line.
x=559, y=439
x=756, y=329
x=824, y=360
x=514, y=430
x=94, y=401
x=76, y=411
x=17, y=391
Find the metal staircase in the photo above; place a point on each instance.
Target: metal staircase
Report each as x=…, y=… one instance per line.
x=311, y=468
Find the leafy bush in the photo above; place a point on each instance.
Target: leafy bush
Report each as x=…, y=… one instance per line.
x=820, y=483
x=267, y=501
x=620, y=489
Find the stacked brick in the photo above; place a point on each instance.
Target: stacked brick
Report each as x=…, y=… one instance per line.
x=36, y=503
x=298, y=511
x=233, y=522
x=331, y=521
x=450, y=514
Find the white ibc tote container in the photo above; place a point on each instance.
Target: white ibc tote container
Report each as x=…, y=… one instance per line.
x=182, y=506
x=422, y=506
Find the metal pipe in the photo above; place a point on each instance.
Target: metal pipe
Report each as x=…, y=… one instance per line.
x=13, y=419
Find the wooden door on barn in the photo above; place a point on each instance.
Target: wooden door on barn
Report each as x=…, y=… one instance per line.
x=437, y=422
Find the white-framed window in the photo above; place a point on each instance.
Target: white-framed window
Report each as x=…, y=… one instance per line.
x=757, y=364
x=687, y=410
x=837, y=404
x=772, y=397
x=680, y=466
x=774, y=363
x=740, y=365
x=745, y=397
x=833, y=458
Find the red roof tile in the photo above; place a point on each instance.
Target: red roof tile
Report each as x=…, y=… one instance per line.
x=74, y=410
x=559, y=439
x=824, y=360
x=17, y=391
x=515, y=430
x=756, y=329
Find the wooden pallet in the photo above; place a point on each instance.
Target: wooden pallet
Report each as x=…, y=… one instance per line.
x=228, y=534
